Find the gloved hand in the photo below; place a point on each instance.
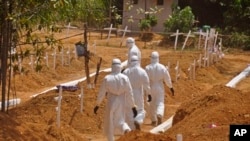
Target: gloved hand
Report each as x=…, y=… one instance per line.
x=96, y=109
x=123, y=70
x=134, y=111
x=149, y=98
x=172, y=91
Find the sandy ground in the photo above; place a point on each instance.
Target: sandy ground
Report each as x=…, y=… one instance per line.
x=203, y=106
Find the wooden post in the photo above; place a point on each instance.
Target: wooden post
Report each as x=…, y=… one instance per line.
x=87, y=54
x=11, y=72
x=69, y=56
x=97, y=70
x=81, y=104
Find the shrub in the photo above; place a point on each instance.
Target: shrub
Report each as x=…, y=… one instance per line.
x=238, y=40
x=180, y=19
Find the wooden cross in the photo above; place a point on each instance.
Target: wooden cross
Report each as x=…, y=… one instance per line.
x=124, y=32
x=176, y=38
x=110, y=29
x=188, y=35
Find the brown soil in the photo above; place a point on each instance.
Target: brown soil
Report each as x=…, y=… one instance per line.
x=197, y=105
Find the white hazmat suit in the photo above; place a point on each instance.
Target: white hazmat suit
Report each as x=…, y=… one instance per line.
x=158, y=74
x=139, y=81
x=132, y=50
x=117, y=87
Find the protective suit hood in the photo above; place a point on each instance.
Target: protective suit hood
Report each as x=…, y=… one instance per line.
x=134, y=61
x=154, y=57
x=116, y=66
x=130, y=42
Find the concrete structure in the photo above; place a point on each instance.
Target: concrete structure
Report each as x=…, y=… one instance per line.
x=146, y=5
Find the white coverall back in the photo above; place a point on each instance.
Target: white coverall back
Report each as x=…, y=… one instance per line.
x=158, y=74
x=117, y=87
x=133, y=50
x=139, y=81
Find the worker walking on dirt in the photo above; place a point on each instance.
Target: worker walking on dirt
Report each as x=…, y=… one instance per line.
x=118, y=89
x=132, y=50
x=158, y=74
x=140, y=82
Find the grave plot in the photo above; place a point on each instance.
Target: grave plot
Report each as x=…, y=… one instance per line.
x=203, y=106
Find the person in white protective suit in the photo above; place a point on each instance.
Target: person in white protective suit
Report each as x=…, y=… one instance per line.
x=116, y=86
x=157, y=74
x=139, y=81
x=132, y=50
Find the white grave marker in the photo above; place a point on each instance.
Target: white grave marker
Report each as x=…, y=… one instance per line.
x=186, y=40
x=110, y=29
x=176, y=38
x=124, y=32
x=54, y=61
x=58, y=108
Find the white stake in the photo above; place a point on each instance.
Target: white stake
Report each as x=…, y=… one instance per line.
x=177, y=71
x=179, y=137
x=206, y=40
x=95, y=47
x=62, y=56
x=190, y=71
x=68, y=52
x=215, y=40
x=59, y=107
x=199, y=43
x=54, y=59
x=200, y=60
x=168, y=65
x=110, y=29
x=47, y=59
x=176, y=38
x=31, y=62
x=19, y=63
x=194, y=64
x=186, y=40
x=124, y=32
x=205, y=59
x=76, y=56
x=67, y=34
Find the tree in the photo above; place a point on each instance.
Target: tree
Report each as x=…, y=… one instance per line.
x=19, y=20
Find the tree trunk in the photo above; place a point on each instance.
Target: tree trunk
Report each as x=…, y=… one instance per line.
x=5, y=37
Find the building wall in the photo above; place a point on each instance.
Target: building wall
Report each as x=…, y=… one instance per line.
x=162, y=16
